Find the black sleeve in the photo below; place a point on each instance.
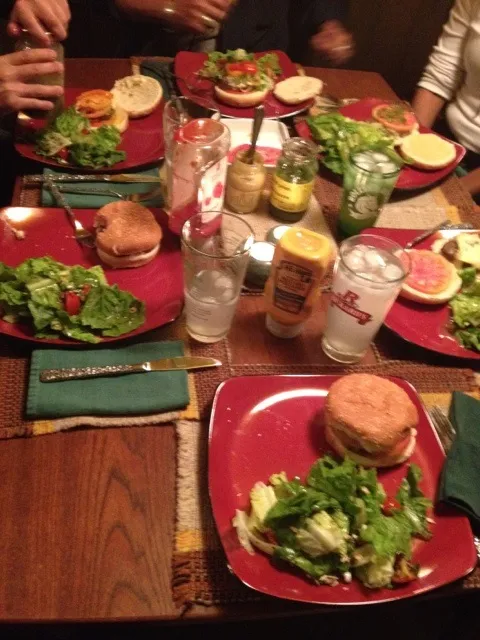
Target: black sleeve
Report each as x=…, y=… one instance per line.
x=323, y=10
x=6, y=7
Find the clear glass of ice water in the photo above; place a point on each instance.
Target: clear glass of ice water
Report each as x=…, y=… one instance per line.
x=369, y=272
x=216, y=248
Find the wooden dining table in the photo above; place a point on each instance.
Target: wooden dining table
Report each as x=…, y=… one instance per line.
x=87, y=516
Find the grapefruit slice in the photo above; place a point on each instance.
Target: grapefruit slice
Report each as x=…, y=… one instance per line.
x=432, y=279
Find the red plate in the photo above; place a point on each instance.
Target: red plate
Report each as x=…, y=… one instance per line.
x=422, y=324
x=142, y=141
x=200, y=90
x=48, y=233
x=409, y=178
x=268, y=424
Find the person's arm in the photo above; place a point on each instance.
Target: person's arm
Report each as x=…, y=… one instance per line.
x=39, y=16
x=193, y=15
x=426, y=106
x=444, y=71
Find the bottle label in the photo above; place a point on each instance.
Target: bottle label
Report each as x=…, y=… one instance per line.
x=292, y=286
x=212, y=187
x=293, y=198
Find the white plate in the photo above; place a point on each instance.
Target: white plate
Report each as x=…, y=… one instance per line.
x=272, y=134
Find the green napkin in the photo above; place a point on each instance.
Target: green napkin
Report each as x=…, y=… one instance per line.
x=132, y=394
x=460, y=483
x=94, y=201
x=161, y=71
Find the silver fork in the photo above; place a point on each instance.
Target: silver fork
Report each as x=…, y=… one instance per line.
x=446, y=432
x=81, y=234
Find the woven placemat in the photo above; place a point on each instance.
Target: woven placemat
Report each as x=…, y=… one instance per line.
x=200, y=573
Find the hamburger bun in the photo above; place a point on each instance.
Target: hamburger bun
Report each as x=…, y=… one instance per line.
x=371, y=420
x=138, y=95
x=239, y=98
x=127, y=235
x=297, y=89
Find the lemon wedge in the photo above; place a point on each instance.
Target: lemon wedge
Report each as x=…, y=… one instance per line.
x=428, y=151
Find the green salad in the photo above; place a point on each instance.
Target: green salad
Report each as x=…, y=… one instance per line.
x=67, y=301
x=338, y=136
x=338, y=524
x=465, y=308
x=69, y=139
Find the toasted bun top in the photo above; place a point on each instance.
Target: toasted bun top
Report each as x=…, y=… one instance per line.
x=124, y=228
x=370, y=407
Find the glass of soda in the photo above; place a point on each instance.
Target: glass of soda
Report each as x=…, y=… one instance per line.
x=216, y=250
x=369, y=272
x=368, y=181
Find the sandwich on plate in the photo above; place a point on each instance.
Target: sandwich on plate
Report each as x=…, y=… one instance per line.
x=370, y=420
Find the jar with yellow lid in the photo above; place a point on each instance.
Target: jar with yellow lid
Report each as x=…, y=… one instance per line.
x=299, y=264
x=245, y=182
x=293, y=180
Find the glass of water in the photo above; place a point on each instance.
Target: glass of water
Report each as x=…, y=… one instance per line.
x=369, y=272
x=216, y=248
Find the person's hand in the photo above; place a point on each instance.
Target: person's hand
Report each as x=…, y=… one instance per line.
x=333, y=41
x=17, y=69
x=200, y=15
x=38, y=16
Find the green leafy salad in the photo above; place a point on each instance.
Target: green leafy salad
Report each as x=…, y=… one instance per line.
x=338, y=136
x=465, y=308
x=338, y=524
x=67, y=301
x=238, y=70
x=69, y=139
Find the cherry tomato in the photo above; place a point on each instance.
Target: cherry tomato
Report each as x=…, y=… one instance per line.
x=72, y=303
x=390, y=505
x=241, y=68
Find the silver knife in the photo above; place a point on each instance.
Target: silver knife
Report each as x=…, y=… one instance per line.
x=71, y=177
x=165, y=364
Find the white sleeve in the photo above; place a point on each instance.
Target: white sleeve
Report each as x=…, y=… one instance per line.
x=444, y=71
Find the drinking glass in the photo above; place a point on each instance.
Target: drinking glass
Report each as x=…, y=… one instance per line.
x=196, y=147
x=215, y=248
x=368, y=181
x=368, y=274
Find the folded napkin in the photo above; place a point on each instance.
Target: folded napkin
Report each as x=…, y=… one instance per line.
x=460, y=483
x=94, y=201
x=161, y=71
x=131, y=394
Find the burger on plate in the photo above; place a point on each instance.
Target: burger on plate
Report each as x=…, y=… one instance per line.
x=243, y=84
x=98, y=107
x=371, y=420
x=127, y=235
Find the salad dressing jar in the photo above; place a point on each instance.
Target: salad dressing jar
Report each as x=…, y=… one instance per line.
x=293, y=180
x=28, y=41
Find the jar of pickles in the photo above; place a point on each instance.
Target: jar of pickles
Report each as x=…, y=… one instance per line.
x=245, y=182
x=28, y=41
x=293, y=180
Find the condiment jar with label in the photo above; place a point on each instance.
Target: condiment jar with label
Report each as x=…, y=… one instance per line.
x=245, y=182
x=28, y=41
x=299, y=264
x=293, y=180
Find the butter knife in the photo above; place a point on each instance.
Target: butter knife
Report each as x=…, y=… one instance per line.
x=165, y=364
x=39, y=178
